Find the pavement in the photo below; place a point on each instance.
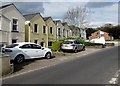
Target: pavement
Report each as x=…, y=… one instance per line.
x=116, y=43
x=36, y=64
x=93, y=66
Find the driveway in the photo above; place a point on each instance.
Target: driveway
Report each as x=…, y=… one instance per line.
x=32, y=65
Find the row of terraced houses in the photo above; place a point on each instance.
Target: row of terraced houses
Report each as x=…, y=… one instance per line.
x=16, y=27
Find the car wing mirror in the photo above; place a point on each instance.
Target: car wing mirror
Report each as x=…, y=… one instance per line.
x=42, y=48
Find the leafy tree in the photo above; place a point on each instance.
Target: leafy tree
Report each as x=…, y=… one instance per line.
x=89, y=31
x=112, y=30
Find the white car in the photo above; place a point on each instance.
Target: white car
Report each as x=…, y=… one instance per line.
x=26, y=50
x=100, y=40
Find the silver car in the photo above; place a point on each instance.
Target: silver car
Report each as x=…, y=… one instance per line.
x=72, y=45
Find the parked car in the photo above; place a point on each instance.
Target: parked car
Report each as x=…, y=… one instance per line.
x=27, y=50
x=72, y=45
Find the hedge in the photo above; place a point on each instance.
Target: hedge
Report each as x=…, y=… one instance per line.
x=56, y=46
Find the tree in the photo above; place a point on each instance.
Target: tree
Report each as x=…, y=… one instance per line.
x=112, y=30
x=89, y=31
x=77, y=16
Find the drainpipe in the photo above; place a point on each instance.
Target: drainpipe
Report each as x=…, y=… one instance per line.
x=29, y=31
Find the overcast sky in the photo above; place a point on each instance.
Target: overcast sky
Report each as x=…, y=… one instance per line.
x=103, y=11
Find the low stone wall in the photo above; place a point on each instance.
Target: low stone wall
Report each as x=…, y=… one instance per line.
x=116, y=43
x=5, y=66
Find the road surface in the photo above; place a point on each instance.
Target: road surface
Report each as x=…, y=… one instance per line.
x=97, y=68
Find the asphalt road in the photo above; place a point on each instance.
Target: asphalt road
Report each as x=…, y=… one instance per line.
x=97, y=68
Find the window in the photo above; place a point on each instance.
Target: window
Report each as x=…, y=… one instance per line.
x=14, y=41
x=36, y=41
x=42, y=44
x=77, y=42
x=59, y=32
x=26, y=46
x=50, y=43
x=67, y=33
x=15, y=25
x=44, y=29
x=68, y=42
x=12, y=45
x=35, y=28
x=34, y=46
x=63, y=32
x=102, y=35
x=50, y=30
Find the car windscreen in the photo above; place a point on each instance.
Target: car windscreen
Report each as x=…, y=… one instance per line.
x=67, y=42
x=11, y=46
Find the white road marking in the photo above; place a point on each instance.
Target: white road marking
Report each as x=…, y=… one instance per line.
x=115, y=79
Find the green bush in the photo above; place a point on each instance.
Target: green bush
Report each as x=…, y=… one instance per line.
x=56, y=45
x=79, y=38
x=89, y=44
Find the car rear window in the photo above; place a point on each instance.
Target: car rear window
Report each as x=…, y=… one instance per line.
x=11, y=46
x=67, y=42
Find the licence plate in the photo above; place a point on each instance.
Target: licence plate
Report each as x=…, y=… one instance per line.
x=66, y=46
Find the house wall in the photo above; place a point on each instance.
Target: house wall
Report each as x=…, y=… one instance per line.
x=66, y=31
x=11, y=12
x=40, y=36
x=27, y=33
x=59, y=25
x=75, y=32
x=5, y=30
x=97, y=35
x=51, y=37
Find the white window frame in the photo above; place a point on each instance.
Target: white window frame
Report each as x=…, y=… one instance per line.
x=15, y=24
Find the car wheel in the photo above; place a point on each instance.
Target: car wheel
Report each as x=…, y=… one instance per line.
x=48, y=55
x=83, y=48
x=75, y=50
x=19, y=59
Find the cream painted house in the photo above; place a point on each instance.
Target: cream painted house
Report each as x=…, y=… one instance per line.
x=51, y=30
x=59, y=29
x=12, y=24
x=66, y=31
x=75, y=30
x=35, y=29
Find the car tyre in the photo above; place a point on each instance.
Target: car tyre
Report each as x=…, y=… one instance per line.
x=75, y=50
x=19, y=59
x=48, y=55
x=83, y=48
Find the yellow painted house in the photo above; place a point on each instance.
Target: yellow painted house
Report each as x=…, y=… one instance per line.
x=36, y=30
x=51, y=30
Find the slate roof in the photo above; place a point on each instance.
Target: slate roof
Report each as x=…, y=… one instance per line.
x=65, y=23
x=56, y=21
x=4, y=6
x=30, y=16
x=46, y=18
